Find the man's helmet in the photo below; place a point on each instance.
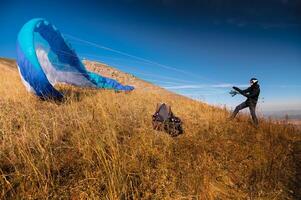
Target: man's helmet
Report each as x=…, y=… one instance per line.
x=253, y=80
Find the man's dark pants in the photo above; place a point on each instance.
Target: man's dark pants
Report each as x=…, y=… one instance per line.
x=252, y=107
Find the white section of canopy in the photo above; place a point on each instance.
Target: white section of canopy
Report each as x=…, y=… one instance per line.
x=60, y=73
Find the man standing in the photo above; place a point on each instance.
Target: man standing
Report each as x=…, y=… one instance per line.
x=252, y=94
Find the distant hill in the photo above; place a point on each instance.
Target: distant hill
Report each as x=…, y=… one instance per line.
x=122, y=77
x=99, y=144
x=296, y=114
x=8, y=62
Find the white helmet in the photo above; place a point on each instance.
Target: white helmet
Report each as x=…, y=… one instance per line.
x=253, y=80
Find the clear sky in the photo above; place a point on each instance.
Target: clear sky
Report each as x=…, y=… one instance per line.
x=199, y=48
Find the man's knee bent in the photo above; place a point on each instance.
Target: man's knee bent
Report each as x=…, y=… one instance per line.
x=238, y=108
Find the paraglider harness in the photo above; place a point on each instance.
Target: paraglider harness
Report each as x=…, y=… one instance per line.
x=165, y=120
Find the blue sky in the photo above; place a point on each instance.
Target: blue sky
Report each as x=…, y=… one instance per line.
x=196, y=48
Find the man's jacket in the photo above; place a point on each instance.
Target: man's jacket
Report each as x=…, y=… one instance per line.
x=251, y=93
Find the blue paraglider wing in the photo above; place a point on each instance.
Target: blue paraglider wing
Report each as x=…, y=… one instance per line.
x=45, y=58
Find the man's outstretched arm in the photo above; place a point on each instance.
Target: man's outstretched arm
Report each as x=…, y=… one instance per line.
x=242, y=92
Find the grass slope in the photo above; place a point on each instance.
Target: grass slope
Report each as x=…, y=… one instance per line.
x=100, y=145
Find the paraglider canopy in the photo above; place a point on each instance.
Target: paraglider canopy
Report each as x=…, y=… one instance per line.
x=45, y=58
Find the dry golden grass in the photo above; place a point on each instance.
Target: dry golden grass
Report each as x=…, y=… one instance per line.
x=100, y=145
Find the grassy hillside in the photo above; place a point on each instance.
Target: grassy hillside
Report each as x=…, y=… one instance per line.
x=100, y=144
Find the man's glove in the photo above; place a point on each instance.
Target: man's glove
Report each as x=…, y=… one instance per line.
x=233, y=93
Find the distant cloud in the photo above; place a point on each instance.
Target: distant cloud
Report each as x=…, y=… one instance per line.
x=202, y=86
